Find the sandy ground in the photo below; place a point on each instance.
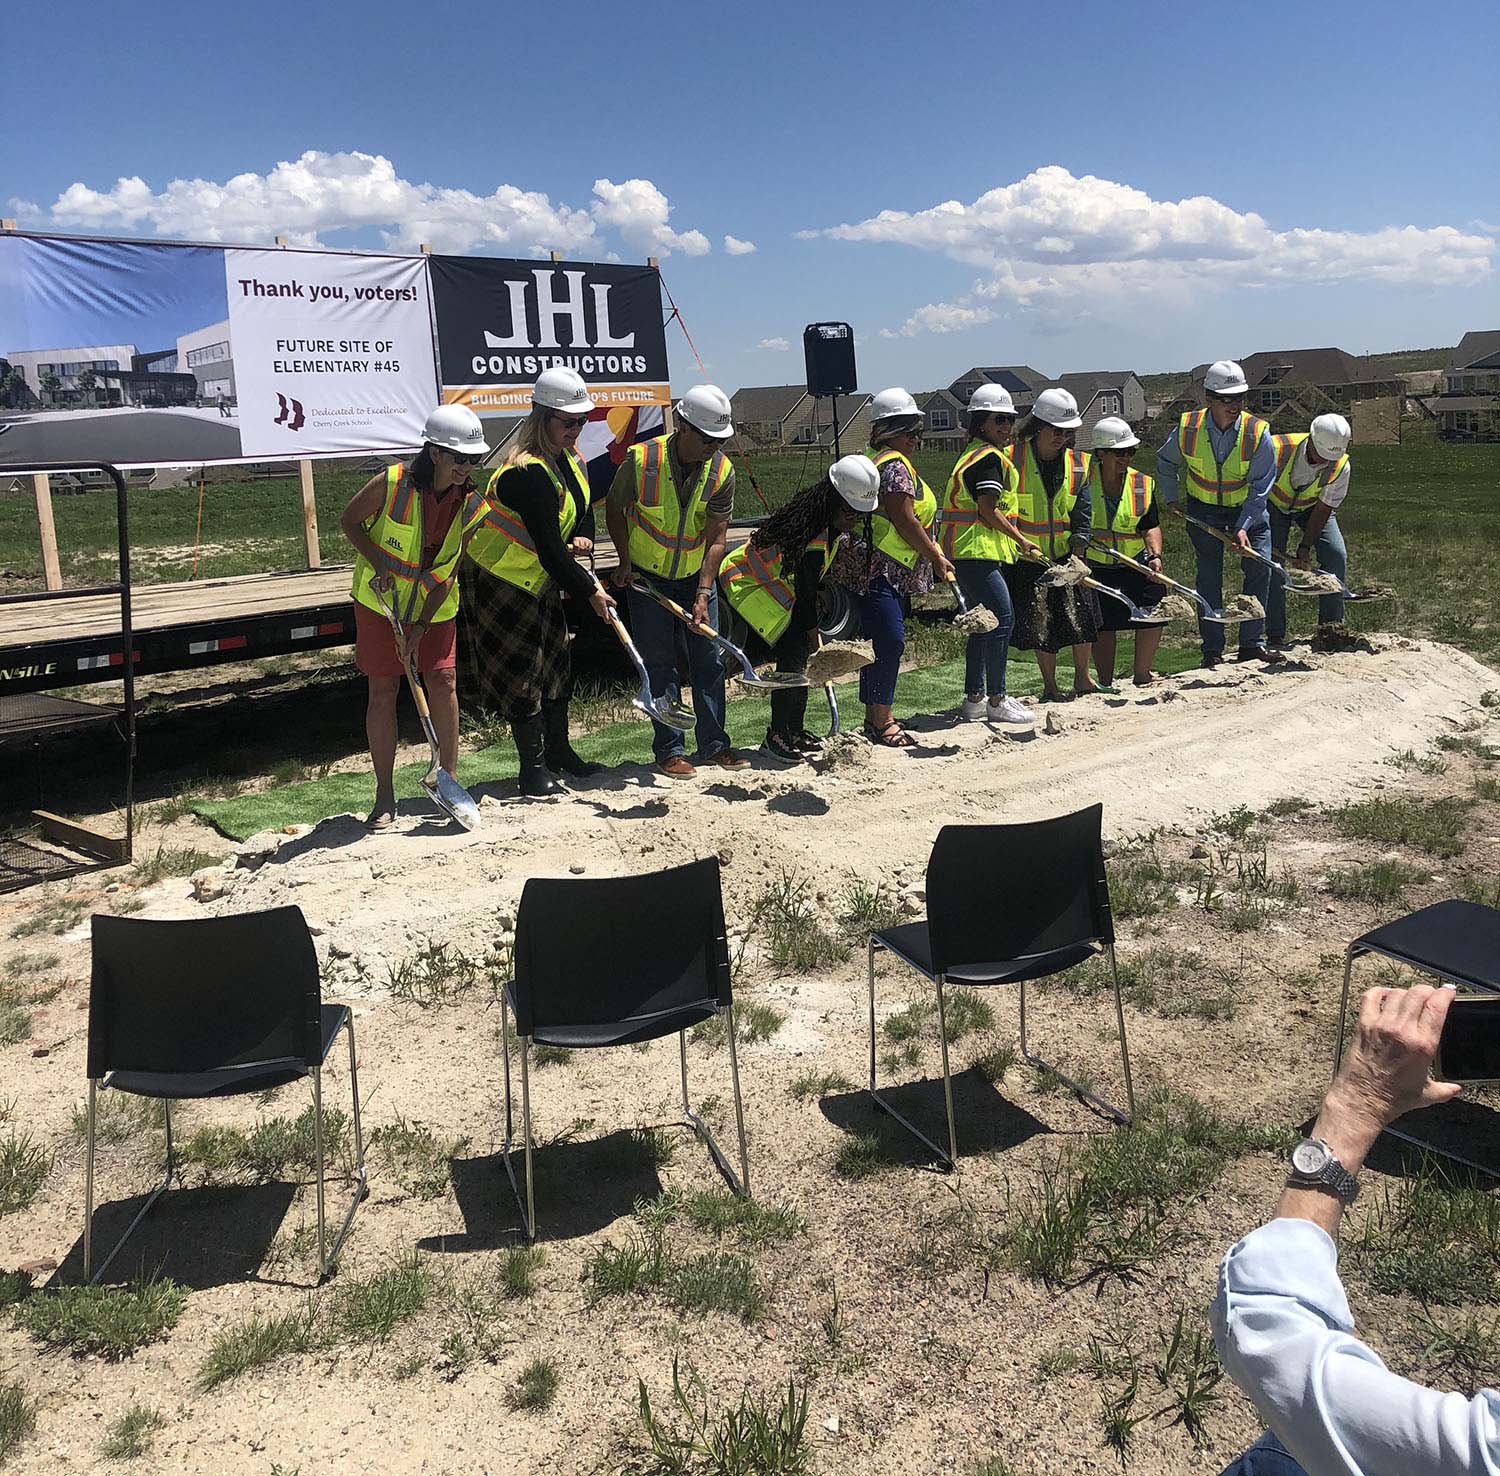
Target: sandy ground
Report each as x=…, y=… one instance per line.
x=939, y=1368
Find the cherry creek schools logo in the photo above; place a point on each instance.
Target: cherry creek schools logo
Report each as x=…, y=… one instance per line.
x=290, y=413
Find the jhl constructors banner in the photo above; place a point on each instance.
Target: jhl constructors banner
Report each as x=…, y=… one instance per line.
x=500, y=323
x=147, y=354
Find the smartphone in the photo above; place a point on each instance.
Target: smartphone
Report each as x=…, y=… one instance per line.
x=1470, y=1046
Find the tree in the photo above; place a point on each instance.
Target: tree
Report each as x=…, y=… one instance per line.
x=87, y=382
x=50, y=384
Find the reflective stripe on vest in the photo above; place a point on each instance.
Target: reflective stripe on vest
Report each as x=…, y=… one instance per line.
x=763, y=597
x=503, y=546
x=1047, y=521
x=1298, y=499
x=396, y=530
x=887, y=539
x=1225, y=484
x=1119, y=532
x=961, y=535
x=667, y=534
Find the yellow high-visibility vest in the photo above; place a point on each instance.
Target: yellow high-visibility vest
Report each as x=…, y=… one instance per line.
x=960, y=533
x=1298, y=499
x=396, y=530
x=761, y=593
x=1119, y=532
x=1225, y=484
x=1047, y=522
x=666, y=530
x=887, y=539
x=502, y=545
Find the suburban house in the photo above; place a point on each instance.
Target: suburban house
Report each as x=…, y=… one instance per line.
x=1105, y=392
x=947, y=420
x=1309, y=381
x=761, y=411
x=811, y=423
x=1023, y=382
x=1469, y=408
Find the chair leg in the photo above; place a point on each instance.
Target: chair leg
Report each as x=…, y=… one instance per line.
x=327, y=1260
x=946, y=1160
x=1109, y=1109
x=527, y=1206
x=1338, y=1040
x=740, y=1182
x=89, y=1274
x=947, y=1075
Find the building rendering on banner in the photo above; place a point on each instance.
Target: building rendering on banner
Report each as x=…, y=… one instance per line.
x=198, y=370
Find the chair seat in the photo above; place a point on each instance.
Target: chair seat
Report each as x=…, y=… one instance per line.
x=912, y=943
x=633, y=1028
x=229, y=1081
x=1458, y=940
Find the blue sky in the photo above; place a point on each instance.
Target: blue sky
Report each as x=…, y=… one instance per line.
x=1339, y=162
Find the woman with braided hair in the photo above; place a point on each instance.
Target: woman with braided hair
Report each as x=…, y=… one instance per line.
x=772, y=584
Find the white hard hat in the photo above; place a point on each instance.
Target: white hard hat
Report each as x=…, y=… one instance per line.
x=705, y=407
x=455, y=428
x=1058, y=408
x=1330, y=436
x=1114, y=434
x=991, y=399
x=1225, y=377
x=562, y=389
x=857, y=480
x=893, y=404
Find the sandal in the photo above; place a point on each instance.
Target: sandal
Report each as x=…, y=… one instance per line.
x=893, y=735
x=1055, y=697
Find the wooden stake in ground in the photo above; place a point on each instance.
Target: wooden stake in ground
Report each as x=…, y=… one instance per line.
x=309, y=516
x=41, y=485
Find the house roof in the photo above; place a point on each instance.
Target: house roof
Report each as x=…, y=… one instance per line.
x=1017, y=378
x=1475, y=348
x=1442, y=404
x=1310, y=366
x=821, y=411
x=1084, y=386
x=924, y=399
x=766, y=401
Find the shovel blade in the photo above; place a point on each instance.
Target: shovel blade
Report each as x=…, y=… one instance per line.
x=663, y=711
x=452, y=798
x=777, y=679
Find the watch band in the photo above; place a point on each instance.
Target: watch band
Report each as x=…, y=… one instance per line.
x=1332, y=1176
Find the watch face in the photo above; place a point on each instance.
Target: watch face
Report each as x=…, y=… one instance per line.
x=1310, y=1158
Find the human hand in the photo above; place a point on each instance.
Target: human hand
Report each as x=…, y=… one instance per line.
x=383, y=583
x=621, y=575
x=814, y=640
x=1242, y=543
x=582, y=545
x=700, y=607
x=1032, y=550
x=601, y=601
x=945, y=569
x=1300, y=559
x=1387, y=1068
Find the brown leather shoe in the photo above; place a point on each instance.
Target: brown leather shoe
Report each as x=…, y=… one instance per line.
x=1261, y=653
x=676, y=767
x=727, y=758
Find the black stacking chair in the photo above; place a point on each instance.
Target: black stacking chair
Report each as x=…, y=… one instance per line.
x=611, y=961
x=210, y=1007
x=1008, y=903
x=1458, y=942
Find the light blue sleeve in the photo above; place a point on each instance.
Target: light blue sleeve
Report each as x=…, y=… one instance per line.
x=1262, y=475
x=1282, y=1326
x=1168, y=459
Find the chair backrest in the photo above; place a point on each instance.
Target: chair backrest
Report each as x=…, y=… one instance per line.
x=203, y=993
x=593, y=951
x=1013, y=891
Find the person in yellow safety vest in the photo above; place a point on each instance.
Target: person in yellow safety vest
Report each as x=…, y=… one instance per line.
x=1312, y=480
x=668, y=514
x=1224, y=457
x=1052, y=512
x=408, y=525
x=771, y=582
x=896, y=562
x=1123, y=517
x=523, y=559
x=976, y=529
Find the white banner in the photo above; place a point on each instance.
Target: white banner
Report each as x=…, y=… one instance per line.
x=329, y=352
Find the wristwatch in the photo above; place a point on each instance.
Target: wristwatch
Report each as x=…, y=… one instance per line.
x=1314, y=1166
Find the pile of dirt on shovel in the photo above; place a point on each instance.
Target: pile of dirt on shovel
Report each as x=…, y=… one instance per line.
x=835, y=659
x=1317, y=582
x=1243, y=607
x=979, y=621
x=1066, y=574
x=1174, y=607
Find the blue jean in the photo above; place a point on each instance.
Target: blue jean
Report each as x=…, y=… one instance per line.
x=1333, y=558
x=1267, y=1457
x=1210, y=580
x=882, y=617
x=983, y=583
x=659, y=634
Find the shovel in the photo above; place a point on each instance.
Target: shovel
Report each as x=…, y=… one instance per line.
x=1207, y=611
x=748, y=673
x=973, y=622
x=663, y=708
x=442, y=788
x=1137, y=614
x=1229, y=543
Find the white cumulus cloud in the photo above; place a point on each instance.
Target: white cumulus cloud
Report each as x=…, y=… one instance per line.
x=736, y=247
x=1053, y=241
x=940, y=317
x=318, y=193
x=777, y=345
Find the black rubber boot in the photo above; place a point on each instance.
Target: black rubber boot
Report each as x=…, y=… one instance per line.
x=536, y=782
x=562, y=758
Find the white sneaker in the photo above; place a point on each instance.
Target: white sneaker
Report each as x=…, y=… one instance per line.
x=972, y=710
x=1008, y=710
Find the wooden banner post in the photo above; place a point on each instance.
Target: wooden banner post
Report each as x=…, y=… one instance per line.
x=309, y=516
x=41, y=485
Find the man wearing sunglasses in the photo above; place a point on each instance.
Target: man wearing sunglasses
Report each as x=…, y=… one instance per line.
x=1225, y=456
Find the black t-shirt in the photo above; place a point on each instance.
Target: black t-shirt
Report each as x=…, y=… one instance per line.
x=529, y=493
x=987, y=476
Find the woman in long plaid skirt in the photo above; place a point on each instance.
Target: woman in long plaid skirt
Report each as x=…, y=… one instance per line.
x=523, y=557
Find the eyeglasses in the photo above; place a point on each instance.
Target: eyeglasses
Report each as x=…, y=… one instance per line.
x=1126, y=451
x=1225, y=399
x=460, y=459
x=570, y=422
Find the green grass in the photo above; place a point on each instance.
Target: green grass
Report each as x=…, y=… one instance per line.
x=820, y=1084
x=119, y=1117
x=112, y=1321
x=52, y=917
x=254, y=1343
x=868, y=908
x=714, y=1282
x=721, y=1212
x=964, y=1012
x=753, y=1020
x=130, y=1436
x=1376, y=881
x=24, y=1166
x=1171, y=983
x=861, y=1157
x=419, y=1162
x=369, y=1309
x=17, y=1418
x=168, y=861
x=516, y=1275
x=265, y=1153
x=437, y=973
x=793, y=933
x=1432, y=825
x=535, y=1386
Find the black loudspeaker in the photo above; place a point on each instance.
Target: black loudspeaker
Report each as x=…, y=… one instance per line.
x=829, y=350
